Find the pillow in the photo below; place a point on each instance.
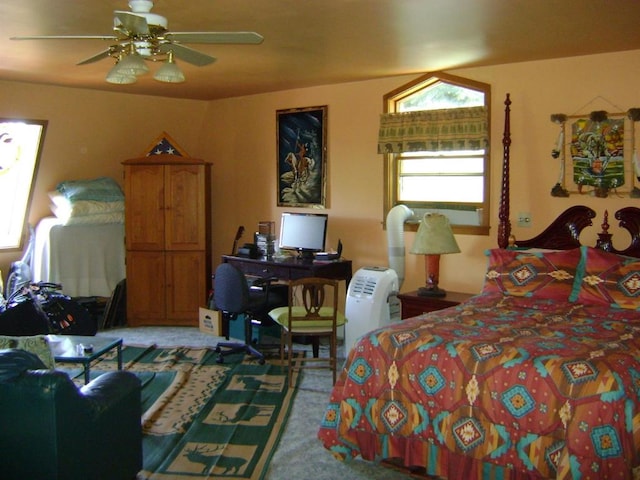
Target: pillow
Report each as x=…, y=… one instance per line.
x=608, y=279
x=536, y=274
x=103, y=189
x=36, y=344
x=63, y=207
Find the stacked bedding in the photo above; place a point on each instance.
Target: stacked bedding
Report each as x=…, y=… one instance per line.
x=82, y=247
x=80, y=202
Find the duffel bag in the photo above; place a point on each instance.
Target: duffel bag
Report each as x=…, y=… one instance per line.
x=41, y=308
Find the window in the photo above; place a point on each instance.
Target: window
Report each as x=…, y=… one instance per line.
x=440, y=162
x=20, y=145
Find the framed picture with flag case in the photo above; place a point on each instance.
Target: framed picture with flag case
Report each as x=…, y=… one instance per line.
x=301, y=145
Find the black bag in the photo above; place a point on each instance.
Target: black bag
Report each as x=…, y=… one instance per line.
x=65, y=316
x=23, y=318
x=41, y=308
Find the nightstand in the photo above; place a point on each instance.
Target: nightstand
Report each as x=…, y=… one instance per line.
x=413, y=305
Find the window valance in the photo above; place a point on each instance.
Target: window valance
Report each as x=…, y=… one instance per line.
x=434, y=130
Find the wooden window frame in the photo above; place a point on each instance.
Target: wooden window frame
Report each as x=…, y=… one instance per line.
x=390, y=101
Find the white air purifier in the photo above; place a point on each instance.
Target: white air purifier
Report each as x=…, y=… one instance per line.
x=371, y=303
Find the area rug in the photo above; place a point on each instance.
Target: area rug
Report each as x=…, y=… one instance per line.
x=202, y=419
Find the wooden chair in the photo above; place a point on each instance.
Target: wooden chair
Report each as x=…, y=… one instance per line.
x=317, y=316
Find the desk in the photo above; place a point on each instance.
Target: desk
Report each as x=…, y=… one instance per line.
x=291, y=268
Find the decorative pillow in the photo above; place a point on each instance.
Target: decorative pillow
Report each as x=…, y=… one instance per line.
x=608, y=279
x=537, y=274
x=36, y=344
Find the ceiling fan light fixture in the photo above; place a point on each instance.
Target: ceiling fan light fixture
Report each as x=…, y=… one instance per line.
x=120, y=78
x=169, y=72
x=132, y=64
x=141, y=36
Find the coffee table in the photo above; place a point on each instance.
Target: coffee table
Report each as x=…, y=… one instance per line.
x=73, y=349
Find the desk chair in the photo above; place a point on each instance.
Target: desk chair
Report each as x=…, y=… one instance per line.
x=233, y=297
x=318, y=316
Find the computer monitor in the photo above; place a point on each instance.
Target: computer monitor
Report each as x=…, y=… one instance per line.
x=304, y=232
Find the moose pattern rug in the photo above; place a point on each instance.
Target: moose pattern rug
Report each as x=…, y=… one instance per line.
x=206, y=420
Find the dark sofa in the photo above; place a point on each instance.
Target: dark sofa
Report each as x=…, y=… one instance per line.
x=51, y=429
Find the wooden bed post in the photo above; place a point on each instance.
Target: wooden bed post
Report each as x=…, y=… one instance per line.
x=504, y=225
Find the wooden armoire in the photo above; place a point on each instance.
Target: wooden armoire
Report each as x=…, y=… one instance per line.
x=167, y=238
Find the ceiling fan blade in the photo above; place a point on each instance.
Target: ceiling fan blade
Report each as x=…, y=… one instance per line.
x=132, y=23
x=66, y=37
x=99, y=56
x=188, y=54
x=252, y=38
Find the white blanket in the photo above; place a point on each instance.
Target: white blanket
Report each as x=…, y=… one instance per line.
x=88, y=260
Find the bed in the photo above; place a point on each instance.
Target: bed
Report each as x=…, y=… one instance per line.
x=536, y=377
x=81, y=247
x=87, y=260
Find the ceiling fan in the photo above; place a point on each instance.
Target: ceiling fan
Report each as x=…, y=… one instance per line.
x=141, y=35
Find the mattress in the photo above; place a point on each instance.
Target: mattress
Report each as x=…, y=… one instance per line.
x=88, y=260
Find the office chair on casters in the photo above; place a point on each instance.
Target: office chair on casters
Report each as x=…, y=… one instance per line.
x=232, y=297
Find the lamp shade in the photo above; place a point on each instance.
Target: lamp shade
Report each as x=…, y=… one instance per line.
x=132, y=64
x=434, y=236
x=169, y=72
x=119, y=77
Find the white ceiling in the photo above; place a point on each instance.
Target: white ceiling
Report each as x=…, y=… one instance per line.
x=315, y=42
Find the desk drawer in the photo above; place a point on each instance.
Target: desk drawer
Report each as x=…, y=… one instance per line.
x=281, y=273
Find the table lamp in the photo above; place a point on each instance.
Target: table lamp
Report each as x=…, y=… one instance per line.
x=434, y=238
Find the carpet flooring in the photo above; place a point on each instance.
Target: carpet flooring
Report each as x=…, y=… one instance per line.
x=202, y=419
x=299, y=454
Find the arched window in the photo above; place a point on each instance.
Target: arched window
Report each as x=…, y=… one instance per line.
x=435, y=136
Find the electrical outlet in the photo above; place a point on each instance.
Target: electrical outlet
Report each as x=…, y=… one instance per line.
x=524, y=219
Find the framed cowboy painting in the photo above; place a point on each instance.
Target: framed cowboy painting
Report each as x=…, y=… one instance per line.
x=302, y=156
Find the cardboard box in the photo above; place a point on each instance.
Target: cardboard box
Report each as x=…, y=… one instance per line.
x=210, y=321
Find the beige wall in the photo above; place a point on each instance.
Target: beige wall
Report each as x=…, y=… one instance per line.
x=243, y=150
x=90, y=133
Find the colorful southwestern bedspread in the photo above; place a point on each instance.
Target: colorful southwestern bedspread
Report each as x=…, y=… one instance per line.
x=501, y=387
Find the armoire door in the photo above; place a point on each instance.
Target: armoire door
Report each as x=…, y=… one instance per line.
x=146, y=288
x=186, y=286
x=185, y=207
x=144, y=207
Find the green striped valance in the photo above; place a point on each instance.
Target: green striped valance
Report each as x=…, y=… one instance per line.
x=434, y=130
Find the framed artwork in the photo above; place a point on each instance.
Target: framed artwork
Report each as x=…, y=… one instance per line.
x=600, y=157
x=301, y=144
x=597, y=153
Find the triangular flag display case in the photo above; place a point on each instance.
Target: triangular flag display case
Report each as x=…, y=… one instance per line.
x=166, y=145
